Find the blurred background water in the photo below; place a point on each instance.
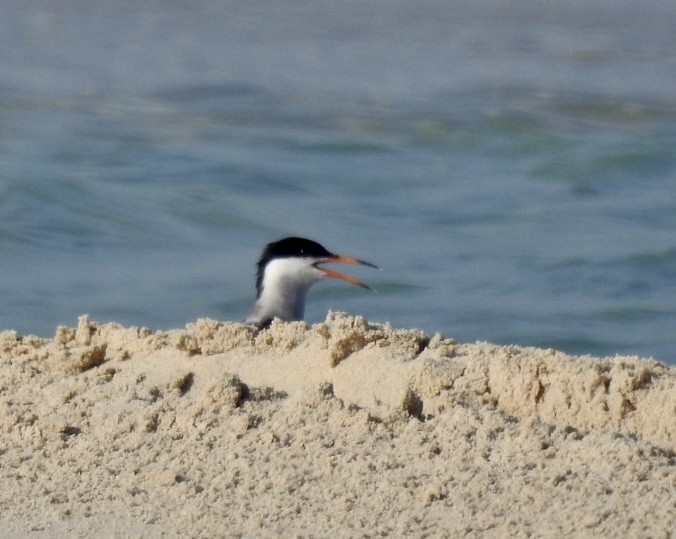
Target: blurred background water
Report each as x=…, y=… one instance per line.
x=510, y=165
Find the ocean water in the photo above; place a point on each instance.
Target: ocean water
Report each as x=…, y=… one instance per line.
x=510, y=166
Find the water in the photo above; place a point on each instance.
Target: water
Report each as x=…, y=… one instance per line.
x=512, y=168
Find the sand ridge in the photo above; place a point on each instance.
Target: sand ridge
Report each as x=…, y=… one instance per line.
x=344, y=428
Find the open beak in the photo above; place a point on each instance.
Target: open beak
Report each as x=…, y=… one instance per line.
x=342, y=259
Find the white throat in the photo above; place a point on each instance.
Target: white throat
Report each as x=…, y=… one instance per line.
x=284, y=287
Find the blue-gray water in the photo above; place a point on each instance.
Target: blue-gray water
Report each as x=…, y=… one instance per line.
x=510, y=166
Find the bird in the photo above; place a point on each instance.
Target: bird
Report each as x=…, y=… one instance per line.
x=285, y=272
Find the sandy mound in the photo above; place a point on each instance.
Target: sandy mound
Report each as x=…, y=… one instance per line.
x=342, y=429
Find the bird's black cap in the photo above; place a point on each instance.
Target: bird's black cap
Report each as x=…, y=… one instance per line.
x=294, y=247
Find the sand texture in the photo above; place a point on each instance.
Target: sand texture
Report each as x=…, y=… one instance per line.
x=341, y=429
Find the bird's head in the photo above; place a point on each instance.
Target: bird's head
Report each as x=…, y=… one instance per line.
x=297, y=263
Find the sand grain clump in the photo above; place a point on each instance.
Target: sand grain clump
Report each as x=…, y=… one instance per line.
x=345, y=429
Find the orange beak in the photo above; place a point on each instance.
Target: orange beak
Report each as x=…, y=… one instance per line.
x=342, y=259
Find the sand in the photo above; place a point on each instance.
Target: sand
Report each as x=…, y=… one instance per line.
x=340, y=429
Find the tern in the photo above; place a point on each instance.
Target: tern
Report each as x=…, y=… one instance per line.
x=286, y=271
